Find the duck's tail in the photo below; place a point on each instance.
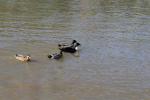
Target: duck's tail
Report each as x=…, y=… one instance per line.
x=60, y=46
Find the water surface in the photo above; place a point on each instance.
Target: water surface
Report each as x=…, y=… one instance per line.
x=114, y=62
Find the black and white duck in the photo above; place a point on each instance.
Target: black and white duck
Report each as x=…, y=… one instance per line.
x=72, y=48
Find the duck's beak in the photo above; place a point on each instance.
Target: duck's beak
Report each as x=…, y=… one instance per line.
x=49, y=56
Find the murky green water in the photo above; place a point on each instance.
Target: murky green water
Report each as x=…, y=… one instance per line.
x=114, y=62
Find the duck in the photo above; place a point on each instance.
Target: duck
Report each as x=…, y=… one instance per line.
x=56, y=56
x=73, y=44
x=72, y=48
x=24, y=58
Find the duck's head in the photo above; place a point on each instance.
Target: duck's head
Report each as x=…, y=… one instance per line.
x=74, y=41
x=49, y=56
x=28, y=57
x=78, y=44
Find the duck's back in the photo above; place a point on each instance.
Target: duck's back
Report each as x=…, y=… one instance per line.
x=68, y=49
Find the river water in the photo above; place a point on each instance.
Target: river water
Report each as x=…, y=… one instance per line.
x=114, y=61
